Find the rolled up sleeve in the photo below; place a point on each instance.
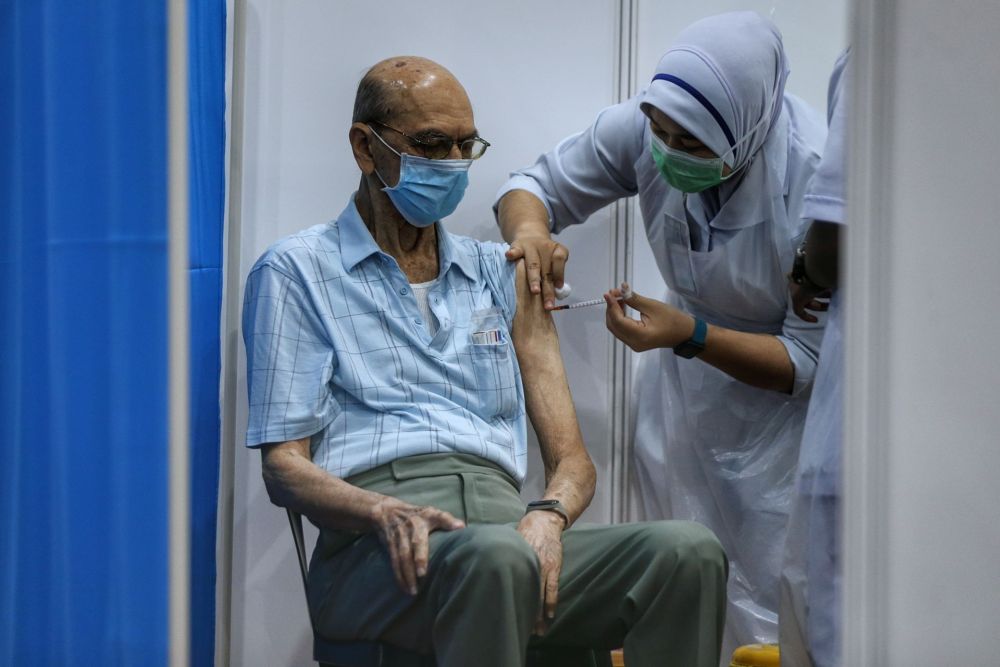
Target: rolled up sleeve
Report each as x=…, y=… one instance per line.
x=802, y=341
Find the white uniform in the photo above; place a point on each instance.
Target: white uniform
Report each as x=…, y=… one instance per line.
x=708, y=447
x=810, y=590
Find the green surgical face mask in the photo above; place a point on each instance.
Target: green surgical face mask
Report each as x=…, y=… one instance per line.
x=686, y=172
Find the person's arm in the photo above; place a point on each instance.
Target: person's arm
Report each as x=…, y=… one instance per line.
x=581, y=175
x=524, y=222
x=760, y=360
x=289, y=356
x=570, y=476
x=295, y=482
x=821, y=264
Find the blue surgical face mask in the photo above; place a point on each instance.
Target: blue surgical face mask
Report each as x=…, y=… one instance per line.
x=428, y=190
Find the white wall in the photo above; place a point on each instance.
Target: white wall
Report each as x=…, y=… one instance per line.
x=923, y=425
x=534, y=72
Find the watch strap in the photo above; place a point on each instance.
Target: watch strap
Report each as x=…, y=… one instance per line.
x=694, y=345
x=550, y=505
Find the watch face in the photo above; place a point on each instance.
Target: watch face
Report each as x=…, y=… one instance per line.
x=688, y=349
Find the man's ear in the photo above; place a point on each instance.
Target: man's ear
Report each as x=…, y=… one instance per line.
x=360, y=138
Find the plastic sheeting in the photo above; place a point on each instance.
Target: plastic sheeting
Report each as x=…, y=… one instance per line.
x=83, y=337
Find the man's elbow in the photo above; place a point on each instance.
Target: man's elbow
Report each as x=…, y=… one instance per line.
x=277, y=474
x=277, y=492
x=590, y=477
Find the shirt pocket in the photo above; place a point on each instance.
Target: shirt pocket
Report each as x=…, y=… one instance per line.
x=493, y=363
x=681, y=261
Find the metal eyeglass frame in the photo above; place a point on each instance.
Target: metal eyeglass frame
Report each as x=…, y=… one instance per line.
x=423, y=145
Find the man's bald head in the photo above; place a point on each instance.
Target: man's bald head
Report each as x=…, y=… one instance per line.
x=395, y=85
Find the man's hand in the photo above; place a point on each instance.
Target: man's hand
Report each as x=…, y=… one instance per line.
x=543, y=531
x=660, y=324
x=405, y=531
x=806, y=296
x=545, y=261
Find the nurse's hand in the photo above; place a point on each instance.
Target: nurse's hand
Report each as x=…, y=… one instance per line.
x=659, y=324
x=545, y=261
x=806, y=297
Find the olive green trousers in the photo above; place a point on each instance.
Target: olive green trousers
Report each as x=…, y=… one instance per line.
x=656, y=588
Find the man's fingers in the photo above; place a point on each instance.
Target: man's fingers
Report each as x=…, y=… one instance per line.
x=551, y=592
x=393, y=547
x=439, y=519
x=404, y=548
x=421, y=547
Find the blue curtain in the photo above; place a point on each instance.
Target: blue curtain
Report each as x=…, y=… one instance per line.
x=83, y=332
x=207, y=62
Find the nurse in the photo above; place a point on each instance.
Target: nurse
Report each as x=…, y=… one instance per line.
x=719, y=156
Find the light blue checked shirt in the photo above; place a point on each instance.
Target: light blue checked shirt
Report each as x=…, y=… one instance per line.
x=337, y=350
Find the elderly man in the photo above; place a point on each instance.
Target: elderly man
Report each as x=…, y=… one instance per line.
x=391, y=367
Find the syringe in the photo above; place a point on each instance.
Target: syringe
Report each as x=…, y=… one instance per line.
x=626, y=294
x=580, y=304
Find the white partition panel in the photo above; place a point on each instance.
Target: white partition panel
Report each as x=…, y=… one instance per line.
x=922, y=446
x=533, y=71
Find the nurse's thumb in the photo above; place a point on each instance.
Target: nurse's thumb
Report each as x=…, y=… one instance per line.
x=635, y=300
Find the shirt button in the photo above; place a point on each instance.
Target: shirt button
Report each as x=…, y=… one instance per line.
x=417, y=320
x=403, y=291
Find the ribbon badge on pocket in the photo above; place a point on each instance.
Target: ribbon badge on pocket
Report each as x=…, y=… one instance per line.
x=488, y=337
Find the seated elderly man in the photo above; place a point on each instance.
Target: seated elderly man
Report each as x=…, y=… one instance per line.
x=391, y=367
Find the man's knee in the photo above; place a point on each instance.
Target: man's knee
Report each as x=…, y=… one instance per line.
x=683, y=546
x=495, y=553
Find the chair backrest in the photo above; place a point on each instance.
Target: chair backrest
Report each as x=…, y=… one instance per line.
x=295, y=520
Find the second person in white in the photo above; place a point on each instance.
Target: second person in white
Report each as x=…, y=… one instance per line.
x=719, y=156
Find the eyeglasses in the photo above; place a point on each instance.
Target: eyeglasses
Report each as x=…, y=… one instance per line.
x=440, y=148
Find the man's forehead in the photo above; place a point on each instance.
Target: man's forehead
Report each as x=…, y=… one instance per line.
x=445, y=110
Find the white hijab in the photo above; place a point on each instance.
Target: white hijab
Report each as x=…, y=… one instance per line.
x=723, y=80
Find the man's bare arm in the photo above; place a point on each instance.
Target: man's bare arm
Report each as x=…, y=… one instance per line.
x=569, y=472
x=295, y=482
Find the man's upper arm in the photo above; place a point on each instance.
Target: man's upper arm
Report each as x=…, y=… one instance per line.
x=546, y=389
x=533, y=329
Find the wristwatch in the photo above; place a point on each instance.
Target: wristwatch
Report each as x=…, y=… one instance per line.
x=548, y=506
x=694, y=345
x=798, y=274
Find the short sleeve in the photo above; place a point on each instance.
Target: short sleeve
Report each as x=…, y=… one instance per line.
x=826, y=197
x=586, y=171
x=501, y=274
x=802, y=341
x=289, y=359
